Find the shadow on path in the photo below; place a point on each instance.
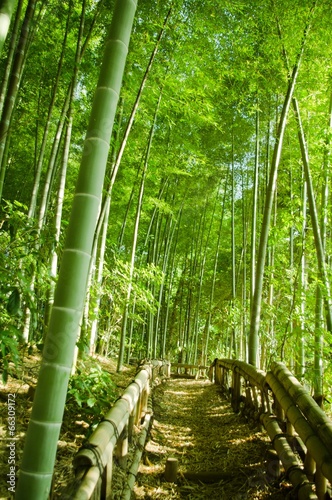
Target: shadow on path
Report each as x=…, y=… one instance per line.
x=196, y=425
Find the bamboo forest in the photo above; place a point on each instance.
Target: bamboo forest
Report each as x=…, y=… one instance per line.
x=164, y=192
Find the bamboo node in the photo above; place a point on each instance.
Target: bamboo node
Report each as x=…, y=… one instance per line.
x=96, y=452
x=279, y=435
x=116, y=432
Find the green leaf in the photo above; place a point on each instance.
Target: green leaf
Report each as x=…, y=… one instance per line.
x=91, y=402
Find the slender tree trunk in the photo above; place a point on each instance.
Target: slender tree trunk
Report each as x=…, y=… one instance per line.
x=299, y=352
x=13, y=87
x=233, y=328
x=38, y=169
x=11, y=53
x=127, y=212
x=47, y=412
x=319, y=323
x=136, y=104
x=201, y=280
x=314, y=219
x=205, y=349
x=171, y=273
x=134, y=244
x=102, y=228
x=254, y=214
x=168, y=244
x=257, y=302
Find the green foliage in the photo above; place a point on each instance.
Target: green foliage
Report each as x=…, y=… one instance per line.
x=9, y=350
x=113, y=293
x=23, y=259
x=91, y=393
x=217, y=64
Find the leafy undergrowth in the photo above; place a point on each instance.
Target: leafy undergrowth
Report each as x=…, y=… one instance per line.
x=91, y=393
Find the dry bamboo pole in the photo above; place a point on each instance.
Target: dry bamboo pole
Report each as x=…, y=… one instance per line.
x=255, y=376
x=88, y=485
x=94, y=460
x=90, y=479
x=121, y=449
x=236, y=392
x=106, y=480
x=126, y=494
x=315, y=446
x=291, y=464
x=312, y=411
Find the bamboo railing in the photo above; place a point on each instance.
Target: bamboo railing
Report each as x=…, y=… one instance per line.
x=295, y=423
x=93, y=462
x=186, y=370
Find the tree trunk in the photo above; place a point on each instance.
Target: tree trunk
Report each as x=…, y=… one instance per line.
x=314, y=220
x=134, y=244
x=38, y=168
x=319, y=323
x=257, y=302
x=254, y=214
x=13, y=87
x=11, y=53
x=47, y=412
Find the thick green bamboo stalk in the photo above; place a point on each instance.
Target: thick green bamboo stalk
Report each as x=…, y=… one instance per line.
x=47, y=413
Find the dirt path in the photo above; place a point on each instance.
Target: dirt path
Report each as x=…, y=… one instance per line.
x=194, y=423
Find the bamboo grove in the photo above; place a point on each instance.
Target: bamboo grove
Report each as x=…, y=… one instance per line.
x=211, y=236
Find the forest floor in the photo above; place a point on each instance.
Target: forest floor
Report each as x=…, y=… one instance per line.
x=192, y=422
x=75, y=428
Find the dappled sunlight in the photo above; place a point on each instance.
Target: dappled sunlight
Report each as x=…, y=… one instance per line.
x=195, y=425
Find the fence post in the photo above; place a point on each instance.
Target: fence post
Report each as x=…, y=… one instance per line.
x=279, y=412
x=121, y=449
x=131, y=422
x=309, y=465
x=236, y=392
x=321, y=484
x=106, y=480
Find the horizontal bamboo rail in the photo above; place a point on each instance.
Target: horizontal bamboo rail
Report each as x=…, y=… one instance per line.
x=289, y=460
x=282, y=404
x=93, y=462
x=188, y=370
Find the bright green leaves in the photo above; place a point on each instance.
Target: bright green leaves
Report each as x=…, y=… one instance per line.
x=91, y=393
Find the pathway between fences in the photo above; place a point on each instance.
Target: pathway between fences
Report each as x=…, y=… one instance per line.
x=219, y=454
